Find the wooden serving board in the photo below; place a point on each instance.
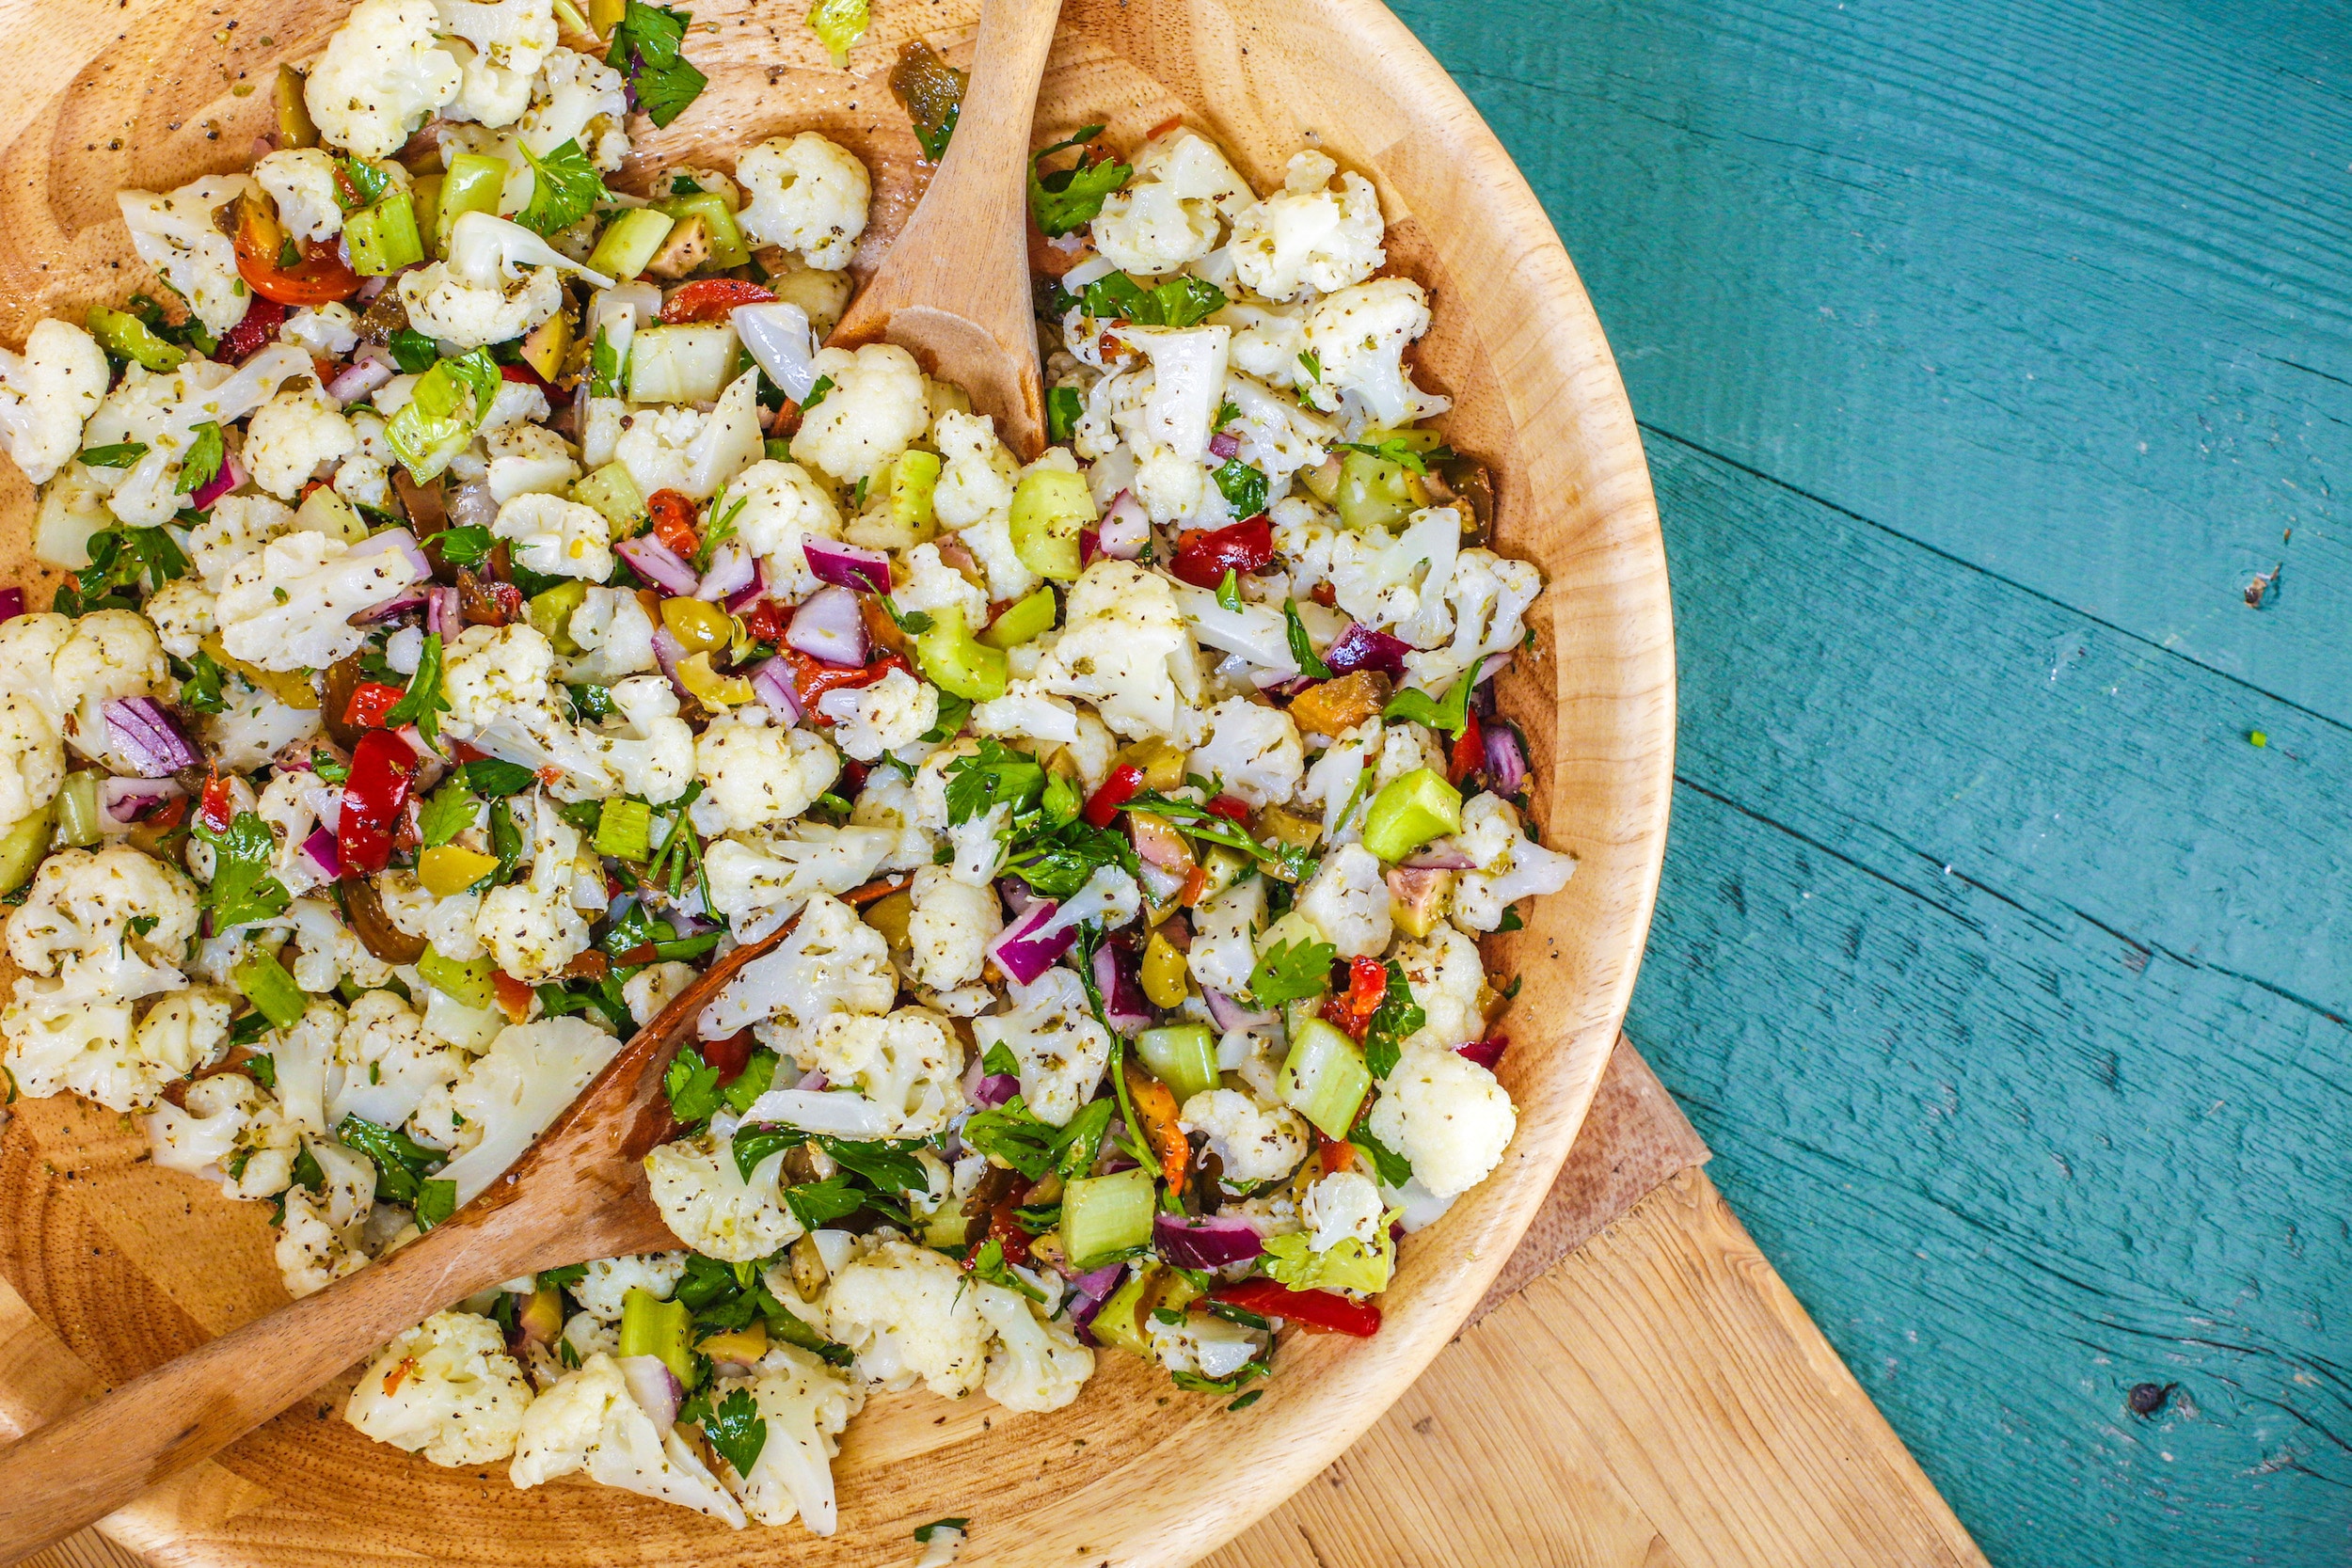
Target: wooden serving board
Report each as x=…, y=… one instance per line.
x=1638, y=1390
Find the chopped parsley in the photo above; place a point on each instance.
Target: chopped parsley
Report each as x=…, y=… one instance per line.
x=424, y=702
x=201, y=464
x=1070, y=199
x=564, y=188
x=646, y=49
x=1292, y=972
x=242, y=889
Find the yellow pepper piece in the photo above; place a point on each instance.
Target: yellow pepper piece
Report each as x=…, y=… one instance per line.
x=447, y=869
x=1162, y=972
x=711, y=688
x=290, y=687
x=697, y=626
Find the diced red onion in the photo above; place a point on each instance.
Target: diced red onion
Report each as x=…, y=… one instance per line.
x=1278, y=683
x=813, y=1081
x=1230, y=1015
x=654, y=1386
x=472, y=505
x=994, y=1089
x=1506, y=757
x=1210, y=1242
x=849, y=565
x=1124, y=530
x=658, y=565
x=667, y=652
x=732, y=570
x=1224, y=444
x=149, y=737
x=399, y=604
x=829, y=627
x=1491, y=667
x=400, y=541
x=320, y=847
x=1439, y=858
x=371, y=286
x=1028, y=948
x=12, y=603
x=750, y=593
x=125, y=802
x=1359, y=647
x=441, y=613
x=226, y=478
x=772, y=680
x=1485, y=1053
x=776, y=334
x=1124, y=1005
x=1099, y=1283
x=370, y=369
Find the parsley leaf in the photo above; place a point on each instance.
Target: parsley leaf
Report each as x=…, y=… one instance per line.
x=1229, y=591
x=436, y=1200
x=1179, y=302
x=1394, y=1021
x=1395, y=450
x=817, y=391
x=923, y=1533
x=1393, y=1169
x=368, y=180
x=564, y=188
x=736, y=1429
x=242, y=888
x=424, y=702
x=1069, y=198
x=1302, y=647
x=817, y=1204
x=206, y=452
x=1287, y=862
x=999, y=1062
x=1292, y=972
x=604, y=368
x=993, y=776
x=200, y=693
x=1311, y=363
x=467, y=544
x=1242, y=487
x=692, y=1086
x=402, y=1163
x=1064, y=407
x=121, y=454
x=988, y=1263
x=413, y=351
x=953, y=710
x=645, y=45
x=449, y=811
x=1451, y=715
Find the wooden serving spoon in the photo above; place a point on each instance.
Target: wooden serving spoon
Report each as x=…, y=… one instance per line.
x=954, y=290
x=577, y=1193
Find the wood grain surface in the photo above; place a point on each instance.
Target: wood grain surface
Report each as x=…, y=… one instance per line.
x=1986, y=350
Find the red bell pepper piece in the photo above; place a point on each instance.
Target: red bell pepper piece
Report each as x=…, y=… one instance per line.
x=1203, y=556
x=217, y=807
x=1469, y=754
x=1317, y=1310
x=1005, y=1230
x=813, y=677
x=673, y=517
x=1230, y=809
x=370, y=701
x=1124, y=785
x=709, y=300
x=375, y=795
x=255, y=330
x=522, y=375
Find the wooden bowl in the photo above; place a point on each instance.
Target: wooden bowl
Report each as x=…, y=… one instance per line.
x=116, y=1266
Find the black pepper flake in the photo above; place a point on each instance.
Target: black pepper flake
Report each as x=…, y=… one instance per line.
x=2146, y=1399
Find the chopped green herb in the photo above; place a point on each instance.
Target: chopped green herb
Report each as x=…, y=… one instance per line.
x=424, y=702
x=1302, y=647
x=1292, y=972
x=1064, y=407
x=201, y=464
x=645, y=48
x=736, y=1429
x=1451, y=715
x=242, y=888
x=121, y=454
x=1070, y=199
x=564, y=188
x=1242, y=487
x=413, y=351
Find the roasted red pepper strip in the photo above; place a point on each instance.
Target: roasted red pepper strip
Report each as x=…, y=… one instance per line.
x=1230, y=809
x=370, y=701
x=217, y=807
x=1352, y=1009
x=1124, y=785
x=523, y=376
x=672, y=515
x=1469, y=752
x=513, y=996
x=1316, y=1309
x=1203, y=556
x=764, y=621
x=1155, y=1108
x=1005, y=1230
x=375, y=795
x=813, y=677
x=255, y=330
x=709, y=300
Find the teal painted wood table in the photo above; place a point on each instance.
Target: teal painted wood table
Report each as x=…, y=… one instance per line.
x=1995, y=359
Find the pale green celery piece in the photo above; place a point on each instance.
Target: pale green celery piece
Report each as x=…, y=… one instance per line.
x=1102, y=1216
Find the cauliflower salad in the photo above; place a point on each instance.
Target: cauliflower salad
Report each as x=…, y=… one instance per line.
x=488, y=601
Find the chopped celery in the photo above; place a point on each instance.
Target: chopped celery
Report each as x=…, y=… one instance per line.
x=1324, y=1077
x=1182, y=1055
x=1375, y=492
x=727, y=248
x=425, y=193
x=689, y=363
x=77, y=810
x=468, y=982
x=946, y=1227
x=1224, y=865
x=683, y=250
x=651, y=1327
x=383, y=238
x=955, y=662
x=907, y=485
x=1049, y=508
x=126, y=337
x=1121, y=1320
x=625, y=248
x=1410, y=811
x=612, y=492
x=1024, y=621
x=22, y=846
x=625, y=831
x=550, y=613
x=473, y=183
x=324, y=511
x=261, y=980
x=1102, y=1216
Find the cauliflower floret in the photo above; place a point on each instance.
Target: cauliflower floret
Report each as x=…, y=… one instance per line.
x=1511, y=866
x=557, y=538
x=577, y=99
x=46, y=393
x=1225, y=936
x=654, y=988
x=875, y=410
x=615, y=636
x=291, y=437
x=200, y=1139
x=1488, y=596
x=527, y=459
x=949, y=930
x=1053, y=1034
x=589, y=1420
x=609, y=1280
x=91, y=1047
x=32, y=760
x=1034, y=1365
x=327, y=950
x=447, y=1387
x=831, y=962
x=756, y=774
x=1306, y=237
x=1348, y=900
x=1358, y=336
x=1447, y=1116
x=182, y=611
x=1267, y=343
x=710, y=1205
x=1276, y=436
x=897, y=710
x=485, y=303
x=912, y=1316
x=494, y=671
x=782, y=507
x=163, y=412
x=1398, y=581
x=932, y=585
x=911, y=1064
x=302, y=1055
x=531, y=927
x=1125, y=648
x=1253, y=753
x=978, y=474
x=511, y=36
x=808, y=195
x=1166, y=412
x=236, y=528
x=887, y=805
x=1445, y=976
x=388, y=1064
x=1255, y=1142
x=990, y=540
x=290, y=607
x=321, y=1233
x=805, y=1404
x=175, y=234
x=760, y=886
x=1204, y=1346
x=382, y=74
x=525, y=1080
x=301, y=180
x=329, y=331
x=70, y=668
x=116, y=911
x=697, y=455
x=1345, y=1206
x=1168, y=216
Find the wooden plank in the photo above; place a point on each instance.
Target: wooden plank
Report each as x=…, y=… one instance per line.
x=2003, y=975
x=2057, y=286
x=1658, y=1398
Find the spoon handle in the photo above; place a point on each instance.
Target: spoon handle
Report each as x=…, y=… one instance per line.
x=83, y=1466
